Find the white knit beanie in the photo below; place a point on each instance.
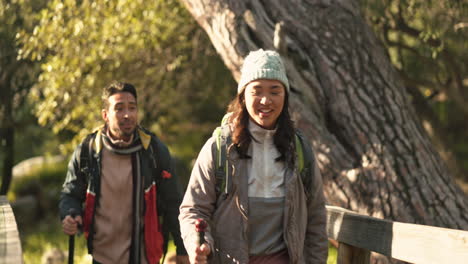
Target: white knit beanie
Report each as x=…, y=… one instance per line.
x=262, y=64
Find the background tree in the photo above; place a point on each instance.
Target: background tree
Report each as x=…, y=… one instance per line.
x=16, y=78
x=347, y=97
x=156, y=45
x=426, y=42
x=349, y=100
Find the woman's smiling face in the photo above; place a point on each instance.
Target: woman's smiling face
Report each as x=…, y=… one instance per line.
x=264, y=100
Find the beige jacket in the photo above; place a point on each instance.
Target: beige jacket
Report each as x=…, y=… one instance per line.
x=304, y=223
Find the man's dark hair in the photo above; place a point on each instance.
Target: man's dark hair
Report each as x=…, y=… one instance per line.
x=116, y=87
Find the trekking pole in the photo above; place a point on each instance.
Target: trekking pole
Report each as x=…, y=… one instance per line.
x=200, y=226
x=71, y=240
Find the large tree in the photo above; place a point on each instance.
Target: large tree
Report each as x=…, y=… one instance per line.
x=350, y=102
x=426, y=41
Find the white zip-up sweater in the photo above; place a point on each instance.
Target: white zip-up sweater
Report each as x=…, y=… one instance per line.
x=266, y=193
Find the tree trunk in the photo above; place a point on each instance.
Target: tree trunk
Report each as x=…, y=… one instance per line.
x=7, y=137
x=8, y=160
x=349, y=101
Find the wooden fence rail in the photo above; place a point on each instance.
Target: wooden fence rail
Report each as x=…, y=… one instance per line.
x=358, y=235
x=10, y=245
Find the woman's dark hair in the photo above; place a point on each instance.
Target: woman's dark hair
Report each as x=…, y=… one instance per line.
x=116, y=87
x=241, y=137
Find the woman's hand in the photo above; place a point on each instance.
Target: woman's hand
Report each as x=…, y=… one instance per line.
x=201, y=254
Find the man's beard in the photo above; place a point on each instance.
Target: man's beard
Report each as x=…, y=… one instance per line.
x=123, y=133
x=117, y=133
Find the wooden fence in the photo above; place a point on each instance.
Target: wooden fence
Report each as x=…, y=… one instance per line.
x=358, y=235
x=10, y=245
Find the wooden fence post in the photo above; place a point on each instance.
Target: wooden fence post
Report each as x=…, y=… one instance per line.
x=10, y=245
x=348, y=254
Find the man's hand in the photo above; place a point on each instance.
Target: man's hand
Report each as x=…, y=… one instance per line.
x=70, y=225
x=182, y=259
x=201, y=254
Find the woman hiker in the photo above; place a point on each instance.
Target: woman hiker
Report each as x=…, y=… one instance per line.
x=258, y=207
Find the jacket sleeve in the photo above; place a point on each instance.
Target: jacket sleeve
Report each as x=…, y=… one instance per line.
x=316, y=242
x=172, y=196
x=74, y=188
x=200, y=198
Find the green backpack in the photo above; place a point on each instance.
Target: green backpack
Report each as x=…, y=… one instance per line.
x=222, y=135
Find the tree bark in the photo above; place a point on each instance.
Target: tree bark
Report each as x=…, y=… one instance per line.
x=349, y=101
x=8, y=160
x=7, y=136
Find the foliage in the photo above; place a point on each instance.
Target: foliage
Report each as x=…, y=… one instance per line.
x=46, y=178
x=426, y=41
x=16, y=78
x=156, y=45
x=184, y=86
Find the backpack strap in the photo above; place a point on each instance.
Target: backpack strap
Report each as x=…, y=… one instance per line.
x=86, y=155
x=158, y=164
x=306, y=161
x=156, y=161
x=222, y=137
x=157, y=167
x=299, y=152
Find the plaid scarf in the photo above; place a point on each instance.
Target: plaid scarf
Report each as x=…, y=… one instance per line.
x=120, y=147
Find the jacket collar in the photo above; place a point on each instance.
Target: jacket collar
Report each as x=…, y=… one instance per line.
x=144, y=137
x=259, y=133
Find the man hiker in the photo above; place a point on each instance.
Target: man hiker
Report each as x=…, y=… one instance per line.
x=121, y=183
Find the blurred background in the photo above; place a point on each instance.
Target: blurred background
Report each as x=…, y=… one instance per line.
x=56, y=56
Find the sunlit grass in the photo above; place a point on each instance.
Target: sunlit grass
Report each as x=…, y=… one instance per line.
x=39, y=243
x=332, y=254
x=45, y=239
x=48, y=236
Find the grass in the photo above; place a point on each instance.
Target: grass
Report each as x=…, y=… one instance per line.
x=332, y=254
x=40, y=230
x=50, y=236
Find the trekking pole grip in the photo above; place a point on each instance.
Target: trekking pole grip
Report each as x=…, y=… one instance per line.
x=71, y=240
x=200, y=226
